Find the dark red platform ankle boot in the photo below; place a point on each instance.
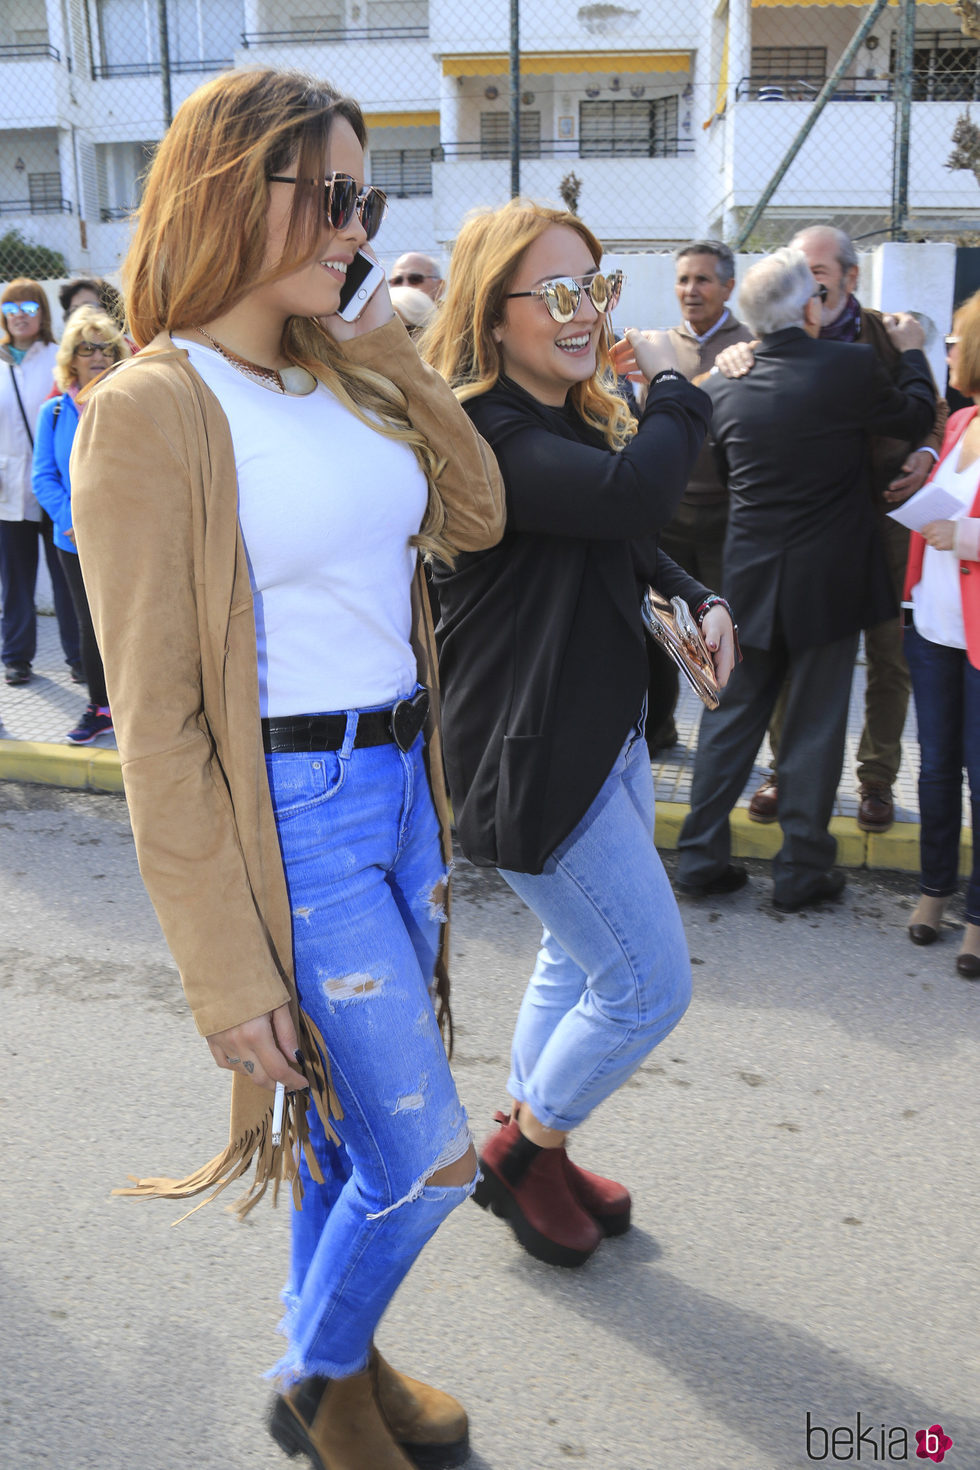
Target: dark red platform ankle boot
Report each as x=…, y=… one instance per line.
x=529, y=1186
x=606, y=1201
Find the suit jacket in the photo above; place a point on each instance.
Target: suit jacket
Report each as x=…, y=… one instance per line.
x=542, y=653
x=804, y=560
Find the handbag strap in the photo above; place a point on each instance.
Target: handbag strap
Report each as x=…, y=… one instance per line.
x=20, y=405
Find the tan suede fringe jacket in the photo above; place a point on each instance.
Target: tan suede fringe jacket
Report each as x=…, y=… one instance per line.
x=155, y=511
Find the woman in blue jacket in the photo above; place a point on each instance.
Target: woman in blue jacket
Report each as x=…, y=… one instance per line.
x=92, y=343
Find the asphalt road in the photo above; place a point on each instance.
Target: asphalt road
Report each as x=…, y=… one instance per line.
x=802, y=1153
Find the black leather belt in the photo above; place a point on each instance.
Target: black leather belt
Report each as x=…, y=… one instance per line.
x=296, y=734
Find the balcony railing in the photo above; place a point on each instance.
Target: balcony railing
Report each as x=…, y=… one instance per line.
x=36, y=206
x=569, y=148
x=341, y=33
x=115, y=70
x=29, y=51
x=849, y=89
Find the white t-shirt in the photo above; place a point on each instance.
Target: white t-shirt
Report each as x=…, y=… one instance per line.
x=327, y=506
x=937, y=601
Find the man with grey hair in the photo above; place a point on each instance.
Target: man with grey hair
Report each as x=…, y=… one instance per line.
x=704, y=278
x=804, y=569
x=899, y=468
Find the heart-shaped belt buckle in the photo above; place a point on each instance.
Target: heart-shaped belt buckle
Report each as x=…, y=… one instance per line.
x=407, y=718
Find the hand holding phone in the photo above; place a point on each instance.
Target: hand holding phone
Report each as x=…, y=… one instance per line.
x=364, y=301
x=364, y=276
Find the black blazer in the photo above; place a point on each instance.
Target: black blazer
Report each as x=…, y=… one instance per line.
x=803, y=552
x=542, y=660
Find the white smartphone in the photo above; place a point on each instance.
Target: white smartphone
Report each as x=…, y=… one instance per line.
x=364, y=276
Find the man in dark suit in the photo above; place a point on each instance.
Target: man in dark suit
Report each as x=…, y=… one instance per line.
x=804, y=569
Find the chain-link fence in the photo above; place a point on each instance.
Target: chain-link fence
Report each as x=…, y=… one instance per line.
x=660, y=122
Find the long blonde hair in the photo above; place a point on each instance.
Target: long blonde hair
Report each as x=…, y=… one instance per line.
x=459, y=341
x=200, y=237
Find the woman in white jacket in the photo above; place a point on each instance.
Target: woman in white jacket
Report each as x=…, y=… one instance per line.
x=27, y=357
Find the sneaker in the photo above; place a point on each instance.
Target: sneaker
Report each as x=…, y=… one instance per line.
x=17, y=673
x=94, y=722
x=77, y=673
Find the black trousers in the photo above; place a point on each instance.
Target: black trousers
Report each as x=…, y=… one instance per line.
x=91, y=657
x=20, y=543
x=818, y=686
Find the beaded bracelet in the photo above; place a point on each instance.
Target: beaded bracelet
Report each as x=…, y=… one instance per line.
x=716, y=601
x=709, y=602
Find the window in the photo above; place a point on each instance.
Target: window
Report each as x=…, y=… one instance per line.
x=44, y=191
x=403, y=173
x=327, y=23
x=628, y=129
x=398, y=17
x=495, y=134
x=789, y=64
x=202, y=36
x=945, y=67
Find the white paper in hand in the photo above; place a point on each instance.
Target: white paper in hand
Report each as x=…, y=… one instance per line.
x=931, y=503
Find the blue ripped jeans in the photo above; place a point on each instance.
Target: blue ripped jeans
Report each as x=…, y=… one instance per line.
x=364, y=869
x=613, y=975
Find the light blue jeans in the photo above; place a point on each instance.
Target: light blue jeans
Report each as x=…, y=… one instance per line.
x=613, y=975
x=360, y=844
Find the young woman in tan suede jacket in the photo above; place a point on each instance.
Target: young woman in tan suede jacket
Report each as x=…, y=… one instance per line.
x=250, y=493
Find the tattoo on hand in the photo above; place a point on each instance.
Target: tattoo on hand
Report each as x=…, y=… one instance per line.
x=249, y=1067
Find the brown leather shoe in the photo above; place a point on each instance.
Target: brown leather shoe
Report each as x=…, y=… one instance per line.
x=337, y=1423
x=876, y=812
x=765, y=802
x=429, y=1425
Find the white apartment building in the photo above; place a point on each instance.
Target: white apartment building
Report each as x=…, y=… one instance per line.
x=673, y=114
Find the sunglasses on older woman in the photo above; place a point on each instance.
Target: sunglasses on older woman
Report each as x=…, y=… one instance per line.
x=89, y=349
x=344, y=200
x=21, y=308
x=563, y=295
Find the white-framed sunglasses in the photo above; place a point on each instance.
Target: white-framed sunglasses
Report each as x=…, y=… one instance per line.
x=563, y=295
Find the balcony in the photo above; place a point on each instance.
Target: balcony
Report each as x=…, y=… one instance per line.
x=331, y=35
x=625, y=200
x=29, y=51
x=571, y=149
x=36, y=206
x=33, y=86
x=837, y=171
x=152, y=68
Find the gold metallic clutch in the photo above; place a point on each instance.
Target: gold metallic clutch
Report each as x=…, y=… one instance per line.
x=671, y=625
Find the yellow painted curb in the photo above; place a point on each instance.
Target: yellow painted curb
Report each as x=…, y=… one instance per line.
x=60, y=765
x=897, y=849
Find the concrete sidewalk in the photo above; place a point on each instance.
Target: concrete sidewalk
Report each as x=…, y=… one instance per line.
x=35, y=719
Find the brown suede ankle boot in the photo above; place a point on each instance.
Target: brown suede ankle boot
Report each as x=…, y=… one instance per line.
x=528, y=1186
x=337, y=1423
x=429, y=1425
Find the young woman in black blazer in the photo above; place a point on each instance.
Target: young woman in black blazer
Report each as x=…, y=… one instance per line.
x=544, y=674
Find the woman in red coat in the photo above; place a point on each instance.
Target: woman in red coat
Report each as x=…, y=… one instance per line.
x=942, y=646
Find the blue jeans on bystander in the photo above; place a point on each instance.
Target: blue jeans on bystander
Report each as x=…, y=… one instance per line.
x=946, y=687
x=613, y=975
x=366, y=881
